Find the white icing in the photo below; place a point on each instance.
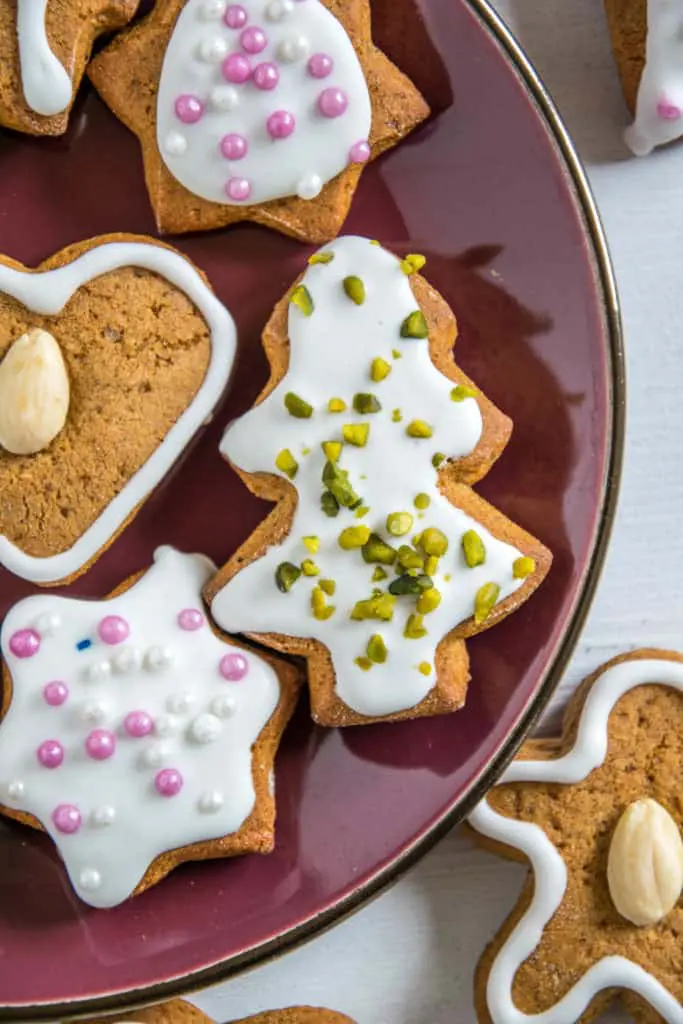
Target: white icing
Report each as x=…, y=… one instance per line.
x=46, y=86
x=659, y=108
x=119, y=792
x=550, y=873
x=47, y=293
x=330, y=355
x=319, y=146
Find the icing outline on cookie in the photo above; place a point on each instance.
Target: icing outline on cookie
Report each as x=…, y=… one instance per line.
x=47, y=292
x=659, y=104
x=549, y=869
x=47, y=87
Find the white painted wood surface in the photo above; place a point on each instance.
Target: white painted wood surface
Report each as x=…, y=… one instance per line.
x=408, y=958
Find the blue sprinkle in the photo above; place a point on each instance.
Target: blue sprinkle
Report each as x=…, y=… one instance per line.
x=83, y=645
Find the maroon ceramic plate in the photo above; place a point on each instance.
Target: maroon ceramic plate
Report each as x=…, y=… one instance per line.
x=492, y=193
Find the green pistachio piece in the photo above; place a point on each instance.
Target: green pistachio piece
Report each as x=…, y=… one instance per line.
x=320, y=257
x=523, y=567
x=297, y=406
x=329, y=504
x=355, y=289
x=312, y=543
x=356, y=434
x=409, y=584
x=336, y=481
x=437, y=459
x=302, y=299
x=396, y=354
x=366, y=403
x=399, y=523
x=425, y=668
x=460, y=392
x=414, y=628
x=309, y=568
x=428, y=601
x=419, y=428
x=434, y=542
x=378, y=575
x=412, y=263
x=377, y=649
x=432, y=565
x=377, y=550
x=332, y=450
x=336, y=405
x=321, y=610
x=396, y=416
x=286, y=463
x=484, y=601
x=361, y=512
x=473, y=549
x=286, y=576
x=353, y=537
x=408, y=558
x=422, y=501
x=328, y=587
x=415, y=325
x=379, y=369
x=363, y=663
x=379, y=606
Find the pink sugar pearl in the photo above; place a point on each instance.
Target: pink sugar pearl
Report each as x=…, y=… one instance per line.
x=253, y=39
x=233, y=146
x=668, y=111
x=233, y=667
x=188, y=109
x=236, y=69
x=266, y=76
x=55, y=693
x=332, y=102
x=138, y=724
x=100, y=744
x=238, y=189
x=168, y=782
x=320, y=65
x=50, y=754
x=235, y=16
x=359, y=153
x=24, y=643
x=67, y=819
x=280, y=124
x=190, y=619
x=113, y=630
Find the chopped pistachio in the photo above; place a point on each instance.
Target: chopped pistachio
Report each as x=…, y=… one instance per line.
x=418, y=428
x=305, y=451
x=286, y=576
x=396, y=353
x=408, y=558
x=484, y=601
x=437, y=459
x=332, y=450
x=302, y=299
x=379, y=606
x=434, y=542
x=353, y=537
x=356, y=434
x=298, y=407
x=366, y=403
x=396, y=416
x=399, y=523
x=473, y=549
x=428, y=601
x=460, y=392
x=414, y=628
x=432, y=565
x=309, y=568
x=361, y=512
x=321, y=610
x=376, y=550
x=422, y=501
x=412, y=263
x=414, y=325
x=447, y=577
x=523, y=567
x=409, y=584
x=320, y=257
x=379, y=369
x=286, y=463
x=312, y=544
x=363, y=663
x=375, y=242
x=425, y=668
x=336, y=405
x=329, y=504
x=328, y=587
x=355, y=289
x=377, y=649
x=378, y=575
x=336, y=481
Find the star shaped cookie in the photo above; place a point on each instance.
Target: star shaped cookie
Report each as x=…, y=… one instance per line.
x=265, y=110
x=596, y=814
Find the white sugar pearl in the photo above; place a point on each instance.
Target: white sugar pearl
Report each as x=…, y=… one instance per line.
x=155, y=755
x=310, y=186
x=224, y=98
x=179, y=703
x=293, y=48
x=224, y=706
x=127, y=659
x=175, y=144
x=276, y=10
x=48, y=623
x=166, y=725
x=212, y=51
x=94, y=711
x=206, y=728
x=98, y=671
x=90, y=879
x=103, y=816
x=15, y=790
x=212, y=10
x=158, y=658
x=210, y=802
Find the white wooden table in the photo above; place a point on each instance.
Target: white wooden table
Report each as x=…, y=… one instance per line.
x=408, y=958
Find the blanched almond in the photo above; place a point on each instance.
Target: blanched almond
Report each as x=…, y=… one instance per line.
x=34, y=393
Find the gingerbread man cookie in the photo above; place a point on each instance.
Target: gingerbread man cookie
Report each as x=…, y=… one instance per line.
x=597, y=815
x=379, y=559
x=264, y=110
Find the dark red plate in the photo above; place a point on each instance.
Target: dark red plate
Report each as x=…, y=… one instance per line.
x=492, y=192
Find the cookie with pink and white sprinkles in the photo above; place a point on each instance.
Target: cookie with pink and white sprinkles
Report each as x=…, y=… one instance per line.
x=134, y=734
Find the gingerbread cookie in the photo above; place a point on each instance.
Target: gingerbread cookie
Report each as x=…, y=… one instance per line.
x=265, y=110
x=114, y=353
x=177, y=1011
x=136, y=736
x=647, y=38
x=45, y=46
x=597, y=815
x=379, y=559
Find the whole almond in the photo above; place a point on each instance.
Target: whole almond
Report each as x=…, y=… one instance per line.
x=34, y=393
x=645, y=863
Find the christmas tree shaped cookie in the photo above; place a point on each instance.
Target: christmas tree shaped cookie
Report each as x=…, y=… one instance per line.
x=379, y=559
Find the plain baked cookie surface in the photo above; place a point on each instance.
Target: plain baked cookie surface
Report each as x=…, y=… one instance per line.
x=177, y=1011
x=70, y=29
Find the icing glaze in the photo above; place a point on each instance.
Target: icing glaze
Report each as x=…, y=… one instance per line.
x=115, y=797
x=550, y=873
x=46, y=85
x=659, y=107
x=330, y=354
x=47, y=292
x=297, y=97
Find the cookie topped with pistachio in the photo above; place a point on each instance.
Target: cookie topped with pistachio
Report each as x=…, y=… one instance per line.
x=379, y=559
